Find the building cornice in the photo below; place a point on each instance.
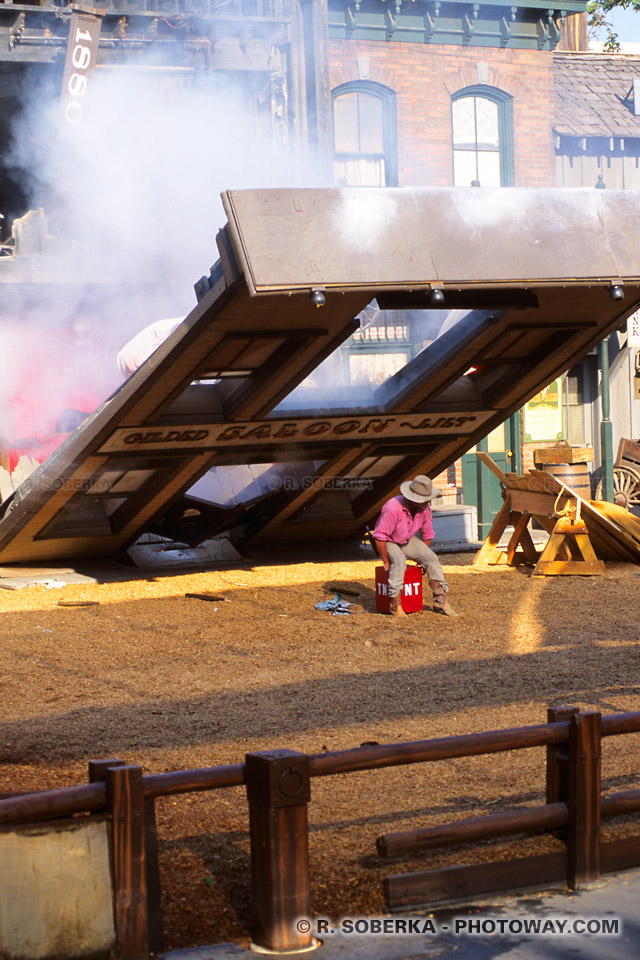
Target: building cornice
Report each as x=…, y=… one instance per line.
x=501, y=23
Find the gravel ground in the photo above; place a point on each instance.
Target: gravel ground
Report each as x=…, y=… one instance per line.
x=169, y=682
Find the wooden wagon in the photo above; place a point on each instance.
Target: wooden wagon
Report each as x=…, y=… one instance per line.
x=582, y=534
x=626, y=475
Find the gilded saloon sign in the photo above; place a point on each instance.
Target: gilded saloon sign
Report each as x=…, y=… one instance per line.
x=269, y=432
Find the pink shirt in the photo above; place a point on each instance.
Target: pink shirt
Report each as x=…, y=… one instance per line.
x=397, y=524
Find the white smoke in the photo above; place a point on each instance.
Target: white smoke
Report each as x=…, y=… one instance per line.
x=365, y=216
x=135, y=186
x=141, y=174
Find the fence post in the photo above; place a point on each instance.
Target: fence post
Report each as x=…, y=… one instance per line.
x=125, y=802
x=278, y=791
x=98, y=772
x=583, y=833
x=98, y=769
x=557, y=759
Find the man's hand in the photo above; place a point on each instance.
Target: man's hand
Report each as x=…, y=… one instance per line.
x=381, y=546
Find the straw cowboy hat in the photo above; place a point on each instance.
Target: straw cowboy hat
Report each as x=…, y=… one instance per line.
x=419, y=490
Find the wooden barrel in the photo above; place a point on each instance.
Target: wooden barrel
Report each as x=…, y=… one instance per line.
x=575, y=475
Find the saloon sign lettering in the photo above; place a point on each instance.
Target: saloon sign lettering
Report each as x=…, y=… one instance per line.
x=189, y=437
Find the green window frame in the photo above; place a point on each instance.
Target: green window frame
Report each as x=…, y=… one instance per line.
x=364, y=134
x=482, y=137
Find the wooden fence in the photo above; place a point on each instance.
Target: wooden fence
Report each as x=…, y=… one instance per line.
x=278, y=792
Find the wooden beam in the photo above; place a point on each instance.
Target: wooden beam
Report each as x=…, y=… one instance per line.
x=451, y=883
x=487, y=827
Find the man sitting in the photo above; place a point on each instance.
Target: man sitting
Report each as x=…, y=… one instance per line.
x=396, y=537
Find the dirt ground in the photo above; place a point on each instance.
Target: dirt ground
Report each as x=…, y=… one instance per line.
x=172, y=683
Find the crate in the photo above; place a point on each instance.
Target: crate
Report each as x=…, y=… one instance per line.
x=562, y=453
x=411, y=594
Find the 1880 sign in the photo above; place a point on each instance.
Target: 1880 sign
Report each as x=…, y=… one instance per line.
x=82, y=52
x=321, y=429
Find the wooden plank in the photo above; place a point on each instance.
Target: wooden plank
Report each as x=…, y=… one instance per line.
x=25, y=808
x=583, y=834
x=495, y=469
x=620, y=804
x=453, y=883
x=155, y=923
x=535, y=502
x=490, y=553
x=546, y=481
x=443, y=748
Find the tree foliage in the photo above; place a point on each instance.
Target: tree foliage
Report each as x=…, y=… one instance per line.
x=599, y=20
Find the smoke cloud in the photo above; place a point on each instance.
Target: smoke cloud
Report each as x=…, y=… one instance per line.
x=140, y=175
x=133, y=191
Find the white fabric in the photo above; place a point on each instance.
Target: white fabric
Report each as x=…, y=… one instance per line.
x=139, y=348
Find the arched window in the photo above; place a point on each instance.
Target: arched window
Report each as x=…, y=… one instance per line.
x=481, y=126
x=364, y=135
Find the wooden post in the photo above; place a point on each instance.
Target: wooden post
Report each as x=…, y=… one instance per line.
x=98, y=769
x=125, y=801
x=583, y=835
x=278, y=791
x=557, y=758
x=98, y=772
x=154, y=891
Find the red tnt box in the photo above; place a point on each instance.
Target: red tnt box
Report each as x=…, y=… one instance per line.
x=411, y=593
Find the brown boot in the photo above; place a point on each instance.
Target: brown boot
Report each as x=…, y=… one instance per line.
x=395, y=607
x=445, y=608
x=440, y=602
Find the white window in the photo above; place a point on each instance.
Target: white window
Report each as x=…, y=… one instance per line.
x=364, y=135
x=481, y=140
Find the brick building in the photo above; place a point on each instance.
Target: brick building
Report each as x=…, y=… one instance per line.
x=470, y=99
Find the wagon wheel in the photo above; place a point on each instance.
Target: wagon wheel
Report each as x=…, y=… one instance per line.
x=626, y=487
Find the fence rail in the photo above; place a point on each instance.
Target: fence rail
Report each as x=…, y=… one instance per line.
x=278, y=791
